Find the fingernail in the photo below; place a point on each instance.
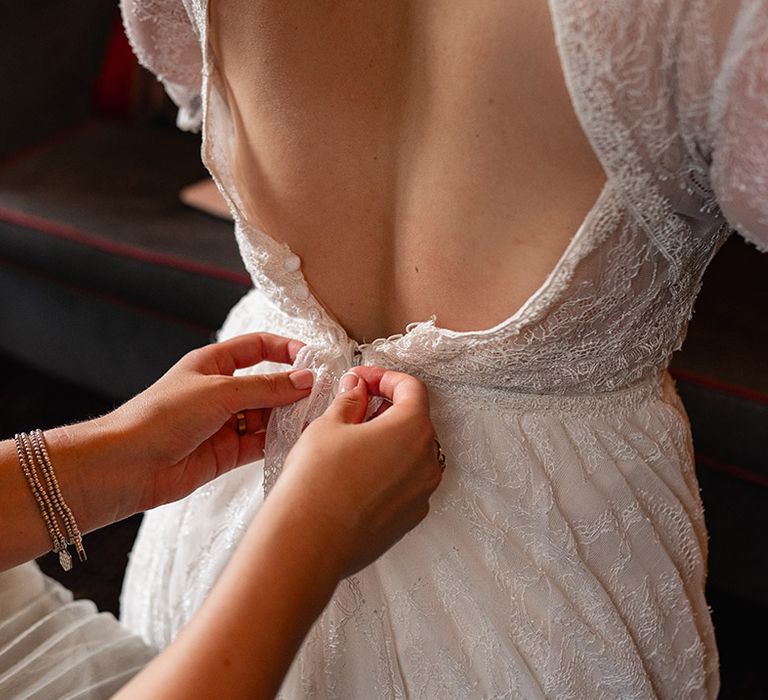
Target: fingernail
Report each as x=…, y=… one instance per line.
x=348, y=381
x=302, y=378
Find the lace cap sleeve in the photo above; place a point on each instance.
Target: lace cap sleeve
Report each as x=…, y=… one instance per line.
x=164, y=40
x=739, y=115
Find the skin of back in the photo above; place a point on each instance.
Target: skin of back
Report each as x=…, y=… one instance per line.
x=421, y=157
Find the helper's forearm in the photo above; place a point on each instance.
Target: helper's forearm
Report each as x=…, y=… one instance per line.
x=91, y=468
x=243, y=640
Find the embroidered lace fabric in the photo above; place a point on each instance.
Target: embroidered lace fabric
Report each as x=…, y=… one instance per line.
x=565, y=553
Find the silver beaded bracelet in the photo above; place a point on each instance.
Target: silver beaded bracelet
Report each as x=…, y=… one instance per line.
x=33, y=458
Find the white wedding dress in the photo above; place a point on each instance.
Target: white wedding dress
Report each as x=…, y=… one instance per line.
x=565, y=553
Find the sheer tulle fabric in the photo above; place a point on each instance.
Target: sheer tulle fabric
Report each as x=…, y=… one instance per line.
x=54, y=647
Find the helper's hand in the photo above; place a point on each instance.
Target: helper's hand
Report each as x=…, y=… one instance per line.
x=184, y=424
x=361, y=486
x=158, y=447
x=181, y=432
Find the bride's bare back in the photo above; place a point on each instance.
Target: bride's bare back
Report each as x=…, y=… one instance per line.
x=421, y=157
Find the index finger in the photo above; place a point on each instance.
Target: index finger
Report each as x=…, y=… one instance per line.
x=244, y=351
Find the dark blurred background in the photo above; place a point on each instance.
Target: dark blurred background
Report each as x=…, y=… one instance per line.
x=106, y=279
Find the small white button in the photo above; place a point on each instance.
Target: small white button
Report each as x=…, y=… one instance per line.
x=292, y=263
x=301, y=292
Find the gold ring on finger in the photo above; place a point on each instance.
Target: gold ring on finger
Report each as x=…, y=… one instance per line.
x=242, y=426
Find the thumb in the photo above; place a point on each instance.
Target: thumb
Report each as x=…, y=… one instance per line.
x=351, y=403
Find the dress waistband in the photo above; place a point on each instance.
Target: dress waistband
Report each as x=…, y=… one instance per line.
x=330, y=362
x=498, y=398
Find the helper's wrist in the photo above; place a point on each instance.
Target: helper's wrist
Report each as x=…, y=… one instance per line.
x=320, y=539
x=97, y=475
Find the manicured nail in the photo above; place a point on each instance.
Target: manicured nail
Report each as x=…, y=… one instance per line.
x=302, y=378
x=348, y=382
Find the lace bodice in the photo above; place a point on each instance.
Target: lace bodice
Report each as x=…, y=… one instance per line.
x=672, y=96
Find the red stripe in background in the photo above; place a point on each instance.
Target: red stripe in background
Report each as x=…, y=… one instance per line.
x=113, y=299
x=739, y=473
x=120, y=249
x=717, y=385
x=732, y=470
x=49, y=142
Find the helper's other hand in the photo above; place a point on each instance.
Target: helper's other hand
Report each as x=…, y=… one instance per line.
x=362, y=485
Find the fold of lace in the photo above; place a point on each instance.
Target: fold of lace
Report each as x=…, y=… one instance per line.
x=286, y=423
